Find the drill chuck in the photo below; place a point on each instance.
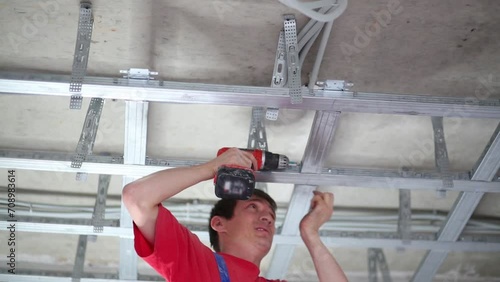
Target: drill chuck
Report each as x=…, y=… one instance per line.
x=274, y=161
x=284, y=162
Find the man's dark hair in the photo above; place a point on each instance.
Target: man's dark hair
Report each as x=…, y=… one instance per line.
x=225, y=208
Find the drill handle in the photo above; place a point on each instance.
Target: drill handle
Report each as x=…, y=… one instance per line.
x=258, y=154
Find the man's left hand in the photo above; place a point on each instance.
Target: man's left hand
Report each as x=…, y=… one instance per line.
x=321, y=211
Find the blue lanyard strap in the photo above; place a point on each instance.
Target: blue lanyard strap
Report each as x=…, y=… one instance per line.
x=224, y=275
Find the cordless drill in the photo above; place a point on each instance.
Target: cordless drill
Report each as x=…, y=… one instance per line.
x=238, y=182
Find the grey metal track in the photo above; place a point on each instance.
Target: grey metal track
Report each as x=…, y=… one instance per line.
x=347, y=177
x=318, y=144
x=197, y=93
x=136, y=117
x=486, y=168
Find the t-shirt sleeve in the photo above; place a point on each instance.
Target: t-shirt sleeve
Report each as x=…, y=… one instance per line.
x=175, y=247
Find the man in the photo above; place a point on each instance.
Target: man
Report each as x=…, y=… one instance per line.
x=241, y=238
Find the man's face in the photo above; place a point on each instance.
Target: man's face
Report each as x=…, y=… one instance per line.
x=253, y=221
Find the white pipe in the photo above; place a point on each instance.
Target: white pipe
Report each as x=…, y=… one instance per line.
x=319, y=56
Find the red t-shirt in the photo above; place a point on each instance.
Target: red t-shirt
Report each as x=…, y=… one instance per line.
x=178, y=255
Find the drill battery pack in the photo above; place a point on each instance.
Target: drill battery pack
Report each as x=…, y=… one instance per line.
x=234, y=182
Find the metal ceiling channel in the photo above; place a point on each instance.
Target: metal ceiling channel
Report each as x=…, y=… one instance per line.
x=328, y=105
x=318, y=145
x=136, y=125
x=485, y=170
x=347, y=177
x=330, y=241
x=197, y=93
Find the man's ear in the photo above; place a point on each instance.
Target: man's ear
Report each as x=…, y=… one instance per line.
x=218, y=223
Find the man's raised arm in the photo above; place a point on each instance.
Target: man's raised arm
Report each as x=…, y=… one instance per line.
x=325, y=264
x=142, y=196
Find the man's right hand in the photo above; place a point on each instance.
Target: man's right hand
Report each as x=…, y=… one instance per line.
x=233, y=156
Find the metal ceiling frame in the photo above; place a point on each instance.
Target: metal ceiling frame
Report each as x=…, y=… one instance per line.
x=407, y=179
x=485, y=170
x=252, y=96
x=136, y=126
x=328, y=104
x=335, y=176
x=347, y=241
x=318, y=145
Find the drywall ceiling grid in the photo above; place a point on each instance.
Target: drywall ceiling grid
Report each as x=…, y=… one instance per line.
x=327, y=102
x=485, y=170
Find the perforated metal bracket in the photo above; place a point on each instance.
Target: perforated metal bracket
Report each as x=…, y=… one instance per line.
x=404, y=220
x=257, y=138
x=89, y=132
x=100, y=203
x=272, y=113
x=292, y=58
x=441, y=155
x=376, y=258
x=80, y=59
x=81, y=249
x=279, y=73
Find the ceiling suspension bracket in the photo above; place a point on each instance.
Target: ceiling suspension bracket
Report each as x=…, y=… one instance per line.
x=89, y=133
x=404, y=218
x=81, y=57
x=441, y=155
x=292, y=59
x=279, y=73
x=257, y=138
x=98, y=220
x=79, y=265
x=376, y=258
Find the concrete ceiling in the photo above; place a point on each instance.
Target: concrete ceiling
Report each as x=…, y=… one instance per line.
x=438, y=48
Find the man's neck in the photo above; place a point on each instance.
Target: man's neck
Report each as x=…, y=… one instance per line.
x=248, y=253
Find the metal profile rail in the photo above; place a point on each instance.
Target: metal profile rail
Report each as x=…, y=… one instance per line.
x=319, y=142
x=197, y=93
x=136, y=117
x=486, y=168
x=347, y=177
x=330, y=241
